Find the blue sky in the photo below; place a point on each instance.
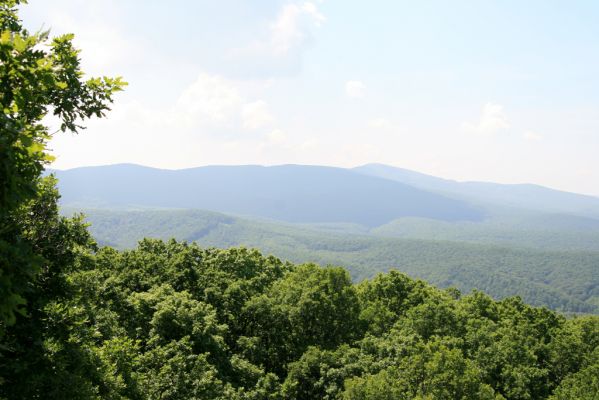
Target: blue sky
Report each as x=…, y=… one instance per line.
x=504, y=91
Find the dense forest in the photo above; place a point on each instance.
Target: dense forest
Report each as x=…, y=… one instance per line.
x=172, y=320
x=566, y=281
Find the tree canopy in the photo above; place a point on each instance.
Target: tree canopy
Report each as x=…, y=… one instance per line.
x=176, y=321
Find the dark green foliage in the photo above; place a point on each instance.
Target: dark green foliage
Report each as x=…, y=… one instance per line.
x=45, y=341
x=432, y=371
x=50, y=338
x=321, y=374
x=562, y=280
x=172, y=320
x=37, y=76
x=311, y=306
x=581, y=385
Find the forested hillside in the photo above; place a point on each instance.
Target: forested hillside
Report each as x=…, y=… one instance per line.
x=532, y=230
x=171, y=320
x=562, y=280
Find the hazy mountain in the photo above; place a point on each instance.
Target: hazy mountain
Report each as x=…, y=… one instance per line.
x=529, y=196
x=291, y=193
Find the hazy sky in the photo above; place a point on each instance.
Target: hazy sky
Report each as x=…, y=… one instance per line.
x=504, y=91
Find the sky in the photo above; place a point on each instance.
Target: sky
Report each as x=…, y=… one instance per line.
x=504, y=91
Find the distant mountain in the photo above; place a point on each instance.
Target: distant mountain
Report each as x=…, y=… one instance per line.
x=293, y=193
x=528, y=196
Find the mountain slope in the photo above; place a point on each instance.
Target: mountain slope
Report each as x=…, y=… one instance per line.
x=528, y=196
x=291, y=193
x=562, y=280
x=538, y=231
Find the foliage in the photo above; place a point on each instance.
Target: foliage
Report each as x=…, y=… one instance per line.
x=173, y=320
x=50, y=339
x=541, y=277
x=38, y=76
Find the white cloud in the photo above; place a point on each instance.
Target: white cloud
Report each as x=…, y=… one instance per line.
x=281, y=49
x=355, y=89
x=105, y=47
x=492, y=121
x=311, y=9
x=276, y=136
x=291, y=27
x=215, y=103
x=310, y=144
x=209, y=101
x=211, y=118
x=211, y=106
x=380, y=123
x=256, y=115
x=585, y=172
x=532, y=136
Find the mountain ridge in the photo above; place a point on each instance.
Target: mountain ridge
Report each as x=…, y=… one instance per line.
x=356, y=168
x=456, y=181
x=292, y=193
x=520, y=195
